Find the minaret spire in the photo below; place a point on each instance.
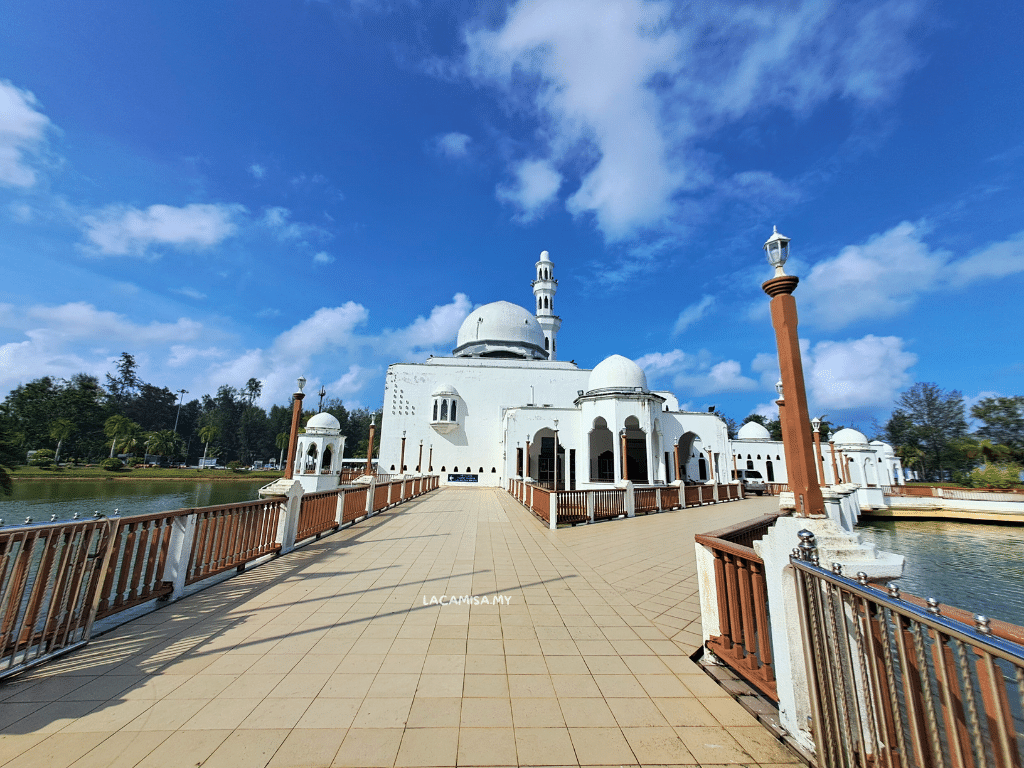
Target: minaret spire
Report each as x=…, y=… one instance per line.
x=544, y=289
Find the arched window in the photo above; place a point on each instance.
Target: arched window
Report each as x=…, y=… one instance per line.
x=770, y=470
x=453, y=410
x=455, y=469
x=481, y=470
x=540, y=303
x=444, y=410
x=750, y=465
x=392, y=467
x=435, y=410
x=493, y=471
x=547, y=345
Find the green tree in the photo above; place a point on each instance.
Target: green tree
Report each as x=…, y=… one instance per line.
x=253, y=389
x=10, y=456
x=163, y=442
x=208, y=434
x=1002, y=421
x=116, y=428
x=122, y=388
x=933, y=420
x=281, y=441
x=774, y=427
x=61, y=430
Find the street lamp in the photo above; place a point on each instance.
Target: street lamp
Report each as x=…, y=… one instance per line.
x=369, y=448
x=800, y=464
x=816, y=425
x=401, y=461
x=181, y=398
x=556, y=455
x=293, y=437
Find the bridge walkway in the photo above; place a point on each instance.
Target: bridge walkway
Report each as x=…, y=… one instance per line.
x=337, y=654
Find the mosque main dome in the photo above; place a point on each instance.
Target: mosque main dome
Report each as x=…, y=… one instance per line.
x=501, y=329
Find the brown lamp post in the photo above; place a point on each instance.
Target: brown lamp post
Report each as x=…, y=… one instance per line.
x=625, y=463
x=556, y=455
x=526, y=470
x=835, y=467
x=816, y=424
x=675, y=453
x=293, y=437
x=799, y=450
x=430, y=460
x=401, y=461
x=419, y=461
x=369, y=449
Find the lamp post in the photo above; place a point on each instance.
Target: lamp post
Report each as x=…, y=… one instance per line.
x=181, y=397
x=625, y=462
x=556, y=455
x=293, y=437
x=419, y=461
x=430, y=459
x=526, y=476
x=835, y=467
x=799, y=453
x=401, y=461
x=369, y=448
x=816, y=424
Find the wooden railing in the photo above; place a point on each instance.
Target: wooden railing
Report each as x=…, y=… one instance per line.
x=49, y=581
x=135, y=572
x=774, y=489
x=572, y=507
x=591, y=505
x=380, y=496
x=645, y=500
x=354, y=504
x=318, y=512
x=745, y=640
x=959, y=494
x=231, y=535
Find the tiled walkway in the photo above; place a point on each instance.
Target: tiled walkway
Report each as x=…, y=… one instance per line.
x=328, y=656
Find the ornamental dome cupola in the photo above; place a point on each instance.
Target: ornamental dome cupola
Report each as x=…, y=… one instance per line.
x=617, y=374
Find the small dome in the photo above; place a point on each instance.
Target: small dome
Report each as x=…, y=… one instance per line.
x=850, y=437
x=617, y=372
x=445, y=390
x=753, y=431
x=323, y=422
x=545, y=256
x=501, y=329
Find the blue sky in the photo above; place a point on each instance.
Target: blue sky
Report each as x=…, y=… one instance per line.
x=231, y=190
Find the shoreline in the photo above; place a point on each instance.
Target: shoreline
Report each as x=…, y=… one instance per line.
x=941, y=513
x=230, y=478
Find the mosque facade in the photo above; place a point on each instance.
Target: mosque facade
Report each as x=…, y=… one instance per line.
x=504, y=406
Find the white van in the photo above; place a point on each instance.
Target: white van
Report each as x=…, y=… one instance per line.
x=752, y=481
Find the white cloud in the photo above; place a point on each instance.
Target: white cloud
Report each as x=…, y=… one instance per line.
x=351, y=382
x=192, y=293
x=535, y=187
x=22, y=134
x=279, y=220
x=428, y=334
x=453, y=144
x=857, y=373
x=119, y=230
x=323, y=258
x=692, y=314
x=258, y=171
x=696, y=374
x=77, y=337
x=631, y=88
x=886, y=275
x=328, y=327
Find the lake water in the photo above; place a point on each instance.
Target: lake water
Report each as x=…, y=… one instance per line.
x=39, y=499
x=977, y=567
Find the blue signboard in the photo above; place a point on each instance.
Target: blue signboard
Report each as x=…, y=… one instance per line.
x=463, y=478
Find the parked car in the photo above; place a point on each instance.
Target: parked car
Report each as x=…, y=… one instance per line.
x=752, y=481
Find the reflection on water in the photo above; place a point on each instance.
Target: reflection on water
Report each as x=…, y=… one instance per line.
x=979, y=568
x=39, y=499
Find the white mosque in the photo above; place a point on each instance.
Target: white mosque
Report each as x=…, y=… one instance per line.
x=503, y=406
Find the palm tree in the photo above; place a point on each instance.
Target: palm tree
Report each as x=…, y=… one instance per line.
x=117, y=427
x=61, y=430
x=282, y=443
x=208, y=434
x=163, y=442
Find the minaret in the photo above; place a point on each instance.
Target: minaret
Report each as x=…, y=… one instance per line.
x=544, y=288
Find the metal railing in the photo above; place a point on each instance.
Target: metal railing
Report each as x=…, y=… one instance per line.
x=745, y=643
x=903, y=682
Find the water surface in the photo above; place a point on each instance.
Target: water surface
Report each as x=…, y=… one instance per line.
x=39, y=499
x=973, y=566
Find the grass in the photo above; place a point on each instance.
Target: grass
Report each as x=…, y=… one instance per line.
x=95, y=473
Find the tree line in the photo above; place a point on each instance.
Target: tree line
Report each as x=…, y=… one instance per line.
x=83, y=421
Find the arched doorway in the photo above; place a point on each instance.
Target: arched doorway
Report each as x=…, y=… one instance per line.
x=691, y=453
x=636, y=451
x=325, y=461
x=602, y=452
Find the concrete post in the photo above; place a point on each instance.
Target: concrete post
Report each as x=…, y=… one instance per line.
x=179, y=552
x=590, y=506
x=553, y=508
x=629, y=500
x=288, y=520
x=371, y=491
x=339, y=510
x=657, y=497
